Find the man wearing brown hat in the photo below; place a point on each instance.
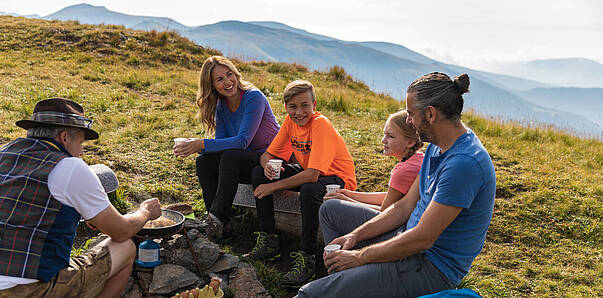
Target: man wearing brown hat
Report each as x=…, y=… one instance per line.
x=45, y=189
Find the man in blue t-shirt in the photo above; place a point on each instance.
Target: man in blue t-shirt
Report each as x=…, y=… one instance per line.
x=426, y=242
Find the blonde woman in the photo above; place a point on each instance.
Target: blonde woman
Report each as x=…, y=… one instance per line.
x=401, y=141
x=244, y=126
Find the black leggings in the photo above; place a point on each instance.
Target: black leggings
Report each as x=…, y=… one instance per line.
x=220, y=174
x=310, y=197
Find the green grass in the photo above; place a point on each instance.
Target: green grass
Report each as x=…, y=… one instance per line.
x=546, y=234
x=82, y=248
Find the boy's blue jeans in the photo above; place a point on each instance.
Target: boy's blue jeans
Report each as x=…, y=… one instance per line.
x=310, y=196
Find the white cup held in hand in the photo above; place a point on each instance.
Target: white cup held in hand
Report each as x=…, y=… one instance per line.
x=331, y=248
x=276, y=166
x=332, y=188
x=178, y=141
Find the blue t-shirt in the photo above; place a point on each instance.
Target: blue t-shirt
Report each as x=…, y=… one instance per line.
x=251, y=127
x=463, y=176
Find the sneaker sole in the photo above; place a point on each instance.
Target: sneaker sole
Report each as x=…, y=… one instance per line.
x=297, y=285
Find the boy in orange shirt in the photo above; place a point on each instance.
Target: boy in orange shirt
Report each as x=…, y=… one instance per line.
x=323, y=159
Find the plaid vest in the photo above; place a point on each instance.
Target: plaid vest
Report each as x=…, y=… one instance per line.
x=27, y=209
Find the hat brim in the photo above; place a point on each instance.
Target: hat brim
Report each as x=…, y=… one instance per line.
x=27, y=124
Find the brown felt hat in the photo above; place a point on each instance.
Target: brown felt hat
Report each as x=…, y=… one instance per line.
x=59, y=112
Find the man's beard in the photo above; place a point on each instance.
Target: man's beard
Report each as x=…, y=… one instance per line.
x=424, y=131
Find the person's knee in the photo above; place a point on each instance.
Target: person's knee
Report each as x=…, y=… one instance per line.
x=325, y=210
x=257, y=176
x=311, y=194
x=230, y=160
x=310, y=290
x=129, y=249
x=200, y=163
x=230, y=155
x=126, y=249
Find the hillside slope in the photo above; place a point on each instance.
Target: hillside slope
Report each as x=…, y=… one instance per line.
x=385, y=67
x=139, y=87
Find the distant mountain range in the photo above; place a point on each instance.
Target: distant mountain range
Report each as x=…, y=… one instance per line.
x=567, y=72
x=385, y=67
x=582, y=101
x=33, y=16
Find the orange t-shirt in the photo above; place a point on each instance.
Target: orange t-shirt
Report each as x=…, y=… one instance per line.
x=316, y=145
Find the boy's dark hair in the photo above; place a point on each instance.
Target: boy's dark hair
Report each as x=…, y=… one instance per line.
x=297, y=87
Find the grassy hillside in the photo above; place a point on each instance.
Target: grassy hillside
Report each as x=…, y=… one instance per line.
x=546, y=234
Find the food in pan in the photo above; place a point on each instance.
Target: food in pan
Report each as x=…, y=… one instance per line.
x=159, y=223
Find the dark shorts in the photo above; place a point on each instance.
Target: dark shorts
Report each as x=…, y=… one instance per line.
x=85, y=276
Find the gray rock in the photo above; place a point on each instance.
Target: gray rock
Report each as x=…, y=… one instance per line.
x=180, y=242
x=192, y=234
x=132, y=290
x=195, y=224
x=206, y=251
x=144, y=280
x=207, y=254
x=169, y=278
x=245, y=281
x=224, y=262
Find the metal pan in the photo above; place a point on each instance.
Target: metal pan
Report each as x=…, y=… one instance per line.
x=164, y=231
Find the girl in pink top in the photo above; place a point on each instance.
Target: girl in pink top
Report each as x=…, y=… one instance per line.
x=401, y=141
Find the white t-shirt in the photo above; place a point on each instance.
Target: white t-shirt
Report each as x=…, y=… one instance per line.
x=72, y=183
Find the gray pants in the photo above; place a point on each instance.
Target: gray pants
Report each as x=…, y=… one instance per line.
x=410, y=277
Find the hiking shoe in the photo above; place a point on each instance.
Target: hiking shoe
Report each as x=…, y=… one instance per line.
x=302, y=271
x=266, y=248
x=215, y=228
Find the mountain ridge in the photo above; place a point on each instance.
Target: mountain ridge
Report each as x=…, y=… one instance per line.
x=386, y=70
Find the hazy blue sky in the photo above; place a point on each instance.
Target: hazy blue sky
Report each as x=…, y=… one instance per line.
x=471, y=33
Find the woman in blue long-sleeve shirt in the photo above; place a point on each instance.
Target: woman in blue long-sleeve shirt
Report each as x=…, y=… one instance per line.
x=244, y=126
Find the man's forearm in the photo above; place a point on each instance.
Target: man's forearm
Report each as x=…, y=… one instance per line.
x=396, y=248
x=433, y=222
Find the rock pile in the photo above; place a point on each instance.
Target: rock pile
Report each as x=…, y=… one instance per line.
x=179, y=271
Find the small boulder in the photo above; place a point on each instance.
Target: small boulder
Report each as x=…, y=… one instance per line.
x=132, y=290
x=245, y=281
x=169, y=278
x=144, y=278
x=224, y=262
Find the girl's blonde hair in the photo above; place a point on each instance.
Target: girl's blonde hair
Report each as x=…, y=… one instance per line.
x=207, y=96
x=399, y=121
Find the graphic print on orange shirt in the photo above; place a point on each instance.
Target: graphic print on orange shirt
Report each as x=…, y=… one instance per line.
x=302, y=147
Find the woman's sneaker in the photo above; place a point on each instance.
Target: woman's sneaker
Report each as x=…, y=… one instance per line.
x=302, y=271
x=266, y=248
x=216, y=231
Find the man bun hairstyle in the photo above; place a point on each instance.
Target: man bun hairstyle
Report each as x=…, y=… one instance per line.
x=438, y=90
x=462, y=83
